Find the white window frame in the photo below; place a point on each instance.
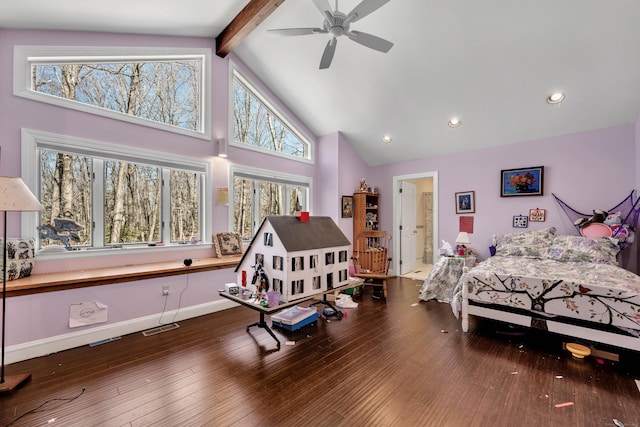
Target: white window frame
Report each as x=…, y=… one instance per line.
x=267, y=175
x=235, y=71
x=32, y=140
x=25, y=56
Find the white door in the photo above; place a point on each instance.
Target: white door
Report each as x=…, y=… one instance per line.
x=409, y=232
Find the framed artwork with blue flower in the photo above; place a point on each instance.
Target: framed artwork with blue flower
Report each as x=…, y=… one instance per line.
x=522, y=182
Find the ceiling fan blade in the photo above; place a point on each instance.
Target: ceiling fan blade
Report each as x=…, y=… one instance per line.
x=370, y=41
x=327, y=55
x=363, y=9
x=322, y=5
x=297, y=31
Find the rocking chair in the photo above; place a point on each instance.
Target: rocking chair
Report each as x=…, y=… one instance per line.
x=371, y=258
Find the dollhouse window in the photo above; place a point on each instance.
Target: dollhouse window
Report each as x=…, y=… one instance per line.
x=297, y=264
x=277, y=262
x=316, y=282
x=330, y=281
x=297, y=287
x=342, y=256
x=277, y=285
x=259, y=259
x=268, y=239
x=313, y=261
x=343, y=275
x=329, y=258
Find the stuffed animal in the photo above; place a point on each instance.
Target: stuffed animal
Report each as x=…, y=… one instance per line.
x=622, y=232
x=598, y=216
x=614, y=218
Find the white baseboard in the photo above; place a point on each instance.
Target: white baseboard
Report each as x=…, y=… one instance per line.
x=43, y=347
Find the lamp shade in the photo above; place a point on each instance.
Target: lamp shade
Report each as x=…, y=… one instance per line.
x=15, y=196
x=463, y=238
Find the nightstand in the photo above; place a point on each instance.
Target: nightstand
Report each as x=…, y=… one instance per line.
x=443, y=278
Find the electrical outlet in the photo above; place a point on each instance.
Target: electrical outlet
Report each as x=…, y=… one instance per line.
x=165, y=290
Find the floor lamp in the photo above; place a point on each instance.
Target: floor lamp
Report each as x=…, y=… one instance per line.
x=15, y=196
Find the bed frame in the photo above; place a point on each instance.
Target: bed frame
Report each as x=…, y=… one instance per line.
x=595, y=332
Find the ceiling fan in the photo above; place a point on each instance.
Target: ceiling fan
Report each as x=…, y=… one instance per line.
x=337, y=24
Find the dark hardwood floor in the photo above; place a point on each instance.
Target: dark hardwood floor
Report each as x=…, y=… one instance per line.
x=399, y=363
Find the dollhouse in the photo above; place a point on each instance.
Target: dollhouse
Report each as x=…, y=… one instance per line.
x=298, y=256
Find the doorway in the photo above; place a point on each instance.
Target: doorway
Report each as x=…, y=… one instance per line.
x=415, y=224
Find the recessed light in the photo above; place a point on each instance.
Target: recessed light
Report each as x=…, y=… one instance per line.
x=555, y=98
x=454, y=123
x=386, y=139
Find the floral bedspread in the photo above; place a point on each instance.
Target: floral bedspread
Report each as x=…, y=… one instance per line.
x=600, y=293
x=443, y=278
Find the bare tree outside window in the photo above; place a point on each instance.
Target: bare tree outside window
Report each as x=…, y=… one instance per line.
x=254, y=199
x=258, y=125
x=162, y=91
x=185, y=205
x=65, y=192
x=132, y=203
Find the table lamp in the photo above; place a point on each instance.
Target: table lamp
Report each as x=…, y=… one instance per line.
x=15, y=196
x=461, y=241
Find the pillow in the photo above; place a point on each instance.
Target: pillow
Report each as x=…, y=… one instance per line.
x=530, y=244
x=20, y=257
x=584, y=249
x=227, y=244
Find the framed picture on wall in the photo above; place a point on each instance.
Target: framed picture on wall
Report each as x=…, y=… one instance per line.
x=537, y=215
x=521, y=182
x=466, y=202
x=520, y=221
x=347, y=206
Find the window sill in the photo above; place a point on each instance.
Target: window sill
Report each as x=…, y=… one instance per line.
x=49, y=282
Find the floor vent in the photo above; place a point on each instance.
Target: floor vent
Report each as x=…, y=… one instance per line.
x=160, y=329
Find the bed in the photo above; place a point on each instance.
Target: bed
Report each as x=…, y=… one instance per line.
x=570, y=285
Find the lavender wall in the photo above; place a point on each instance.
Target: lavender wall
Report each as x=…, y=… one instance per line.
x=18, y=113
x=38, y=324
x=589, y=170
x=338, y=174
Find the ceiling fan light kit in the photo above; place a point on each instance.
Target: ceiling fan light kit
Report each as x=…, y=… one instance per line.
x=337, y=24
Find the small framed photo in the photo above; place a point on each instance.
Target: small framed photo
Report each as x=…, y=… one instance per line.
x=521, y=182
x=465, y=202
x=520, y=221
x=347, y=206
x=227, y=244
x=537, y=215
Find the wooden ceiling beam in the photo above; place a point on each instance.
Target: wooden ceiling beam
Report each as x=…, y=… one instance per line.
x=243, y=24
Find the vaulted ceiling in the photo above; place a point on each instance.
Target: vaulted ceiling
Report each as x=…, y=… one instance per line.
x=490, y=63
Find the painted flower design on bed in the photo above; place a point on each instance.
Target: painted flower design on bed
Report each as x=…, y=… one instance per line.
x=614, y=301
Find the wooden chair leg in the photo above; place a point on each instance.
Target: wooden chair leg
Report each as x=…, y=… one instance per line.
x=384, y=288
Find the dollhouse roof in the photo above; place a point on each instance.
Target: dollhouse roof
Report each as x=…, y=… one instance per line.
x=318, y=233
